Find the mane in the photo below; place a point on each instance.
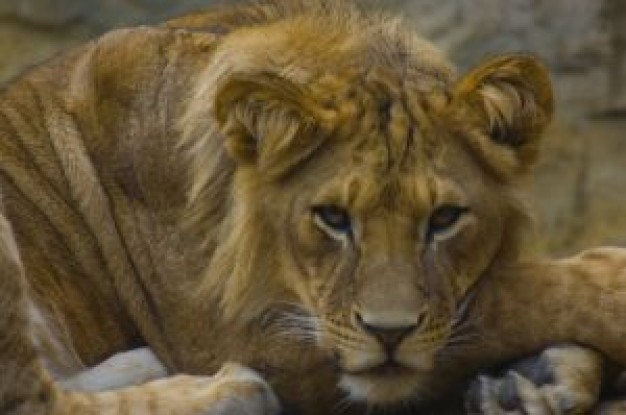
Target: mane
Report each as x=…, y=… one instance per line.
x=388, y=40
x=295, y=48
x=224, y=18
x=365, y=39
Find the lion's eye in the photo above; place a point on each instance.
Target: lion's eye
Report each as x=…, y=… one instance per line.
x=444, y=217
x=333, y=217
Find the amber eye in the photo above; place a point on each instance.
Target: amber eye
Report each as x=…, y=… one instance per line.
x=444, y=217
x=333, y=217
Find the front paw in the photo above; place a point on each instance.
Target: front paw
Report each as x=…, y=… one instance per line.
x=560, y=380
x=234, y=390
x=240, y=390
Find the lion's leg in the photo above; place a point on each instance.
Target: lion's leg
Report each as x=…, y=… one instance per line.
x=579, y=299
x=563, y=379
x=27, y=389
x=234, y=390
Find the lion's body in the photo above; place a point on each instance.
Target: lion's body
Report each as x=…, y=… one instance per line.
x=94, y=187
x=101, y=148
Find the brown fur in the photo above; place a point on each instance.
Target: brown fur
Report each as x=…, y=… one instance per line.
x=239, y=122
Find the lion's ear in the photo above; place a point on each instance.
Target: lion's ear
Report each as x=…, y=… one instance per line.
x=511, y=97
x=269, y=121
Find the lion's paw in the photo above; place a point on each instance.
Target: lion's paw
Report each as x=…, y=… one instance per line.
x=240, y=390
x=234, y=390
x=125, y=377
x=560, y=380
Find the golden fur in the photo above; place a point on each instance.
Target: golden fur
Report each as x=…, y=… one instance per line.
x=245, y=122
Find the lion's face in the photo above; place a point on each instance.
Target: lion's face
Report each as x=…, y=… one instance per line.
x=377, y=199
x=382, y=248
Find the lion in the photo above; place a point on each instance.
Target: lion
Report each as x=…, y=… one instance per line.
x=299, y=187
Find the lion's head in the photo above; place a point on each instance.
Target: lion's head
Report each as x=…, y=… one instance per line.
x=368, y=187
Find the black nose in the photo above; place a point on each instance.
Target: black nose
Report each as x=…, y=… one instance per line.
x=389, y=337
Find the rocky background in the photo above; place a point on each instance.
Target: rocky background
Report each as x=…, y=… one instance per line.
x=580, y=190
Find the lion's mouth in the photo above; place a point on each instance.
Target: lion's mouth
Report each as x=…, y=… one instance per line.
x=390, y=368
x=385, y=384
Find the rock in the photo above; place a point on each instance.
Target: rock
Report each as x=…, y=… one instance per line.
x=580, y=191
x=45, y=12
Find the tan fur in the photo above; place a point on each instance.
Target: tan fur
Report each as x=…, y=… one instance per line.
x=160, y=181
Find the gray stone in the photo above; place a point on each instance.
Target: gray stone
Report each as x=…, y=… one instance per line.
x=46, y=12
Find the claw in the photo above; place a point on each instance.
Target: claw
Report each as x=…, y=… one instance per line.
x=561, y=380
x=509, y=398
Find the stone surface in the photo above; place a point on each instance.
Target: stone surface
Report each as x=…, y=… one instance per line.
x=580, y=189
x=23, y=45
x=100, y=14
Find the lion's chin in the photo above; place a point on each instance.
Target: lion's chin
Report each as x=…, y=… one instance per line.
x=385, y=389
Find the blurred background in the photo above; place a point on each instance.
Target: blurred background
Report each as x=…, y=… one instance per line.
x=580, y=188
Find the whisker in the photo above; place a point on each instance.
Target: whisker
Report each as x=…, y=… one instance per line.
x=294, y=322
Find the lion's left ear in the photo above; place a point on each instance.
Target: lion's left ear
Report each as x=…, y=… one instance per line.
x=511, y=97
x=269, y=121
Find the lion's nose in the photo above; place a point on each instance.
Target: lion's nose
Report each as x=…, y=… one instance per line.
x=388, y=336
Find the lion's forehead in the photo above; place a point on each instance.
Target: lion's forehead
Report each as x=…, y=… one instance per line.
x=385, y=125
x=393, y=170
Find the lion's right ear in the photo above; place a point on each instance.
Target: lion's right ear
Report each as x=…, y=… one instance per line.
x=269, y=121
x=510, y=98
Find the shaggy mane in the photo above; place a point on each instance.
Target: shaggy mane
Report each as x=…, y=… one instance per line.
x=370, y=39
